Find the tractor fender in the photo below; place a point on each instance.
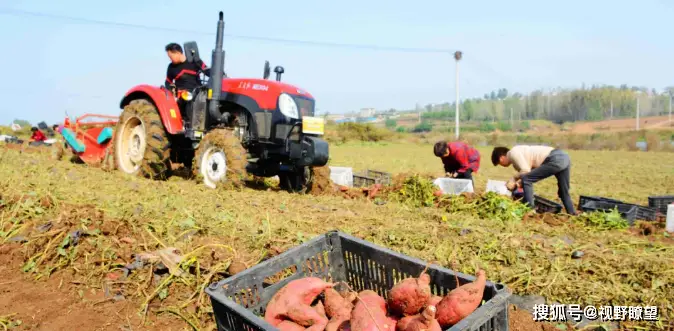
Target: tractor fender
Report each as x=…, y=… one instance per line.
x=163, y=100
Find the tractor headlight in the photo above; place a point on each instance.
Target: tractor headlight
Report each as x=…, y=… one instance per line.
x=288, y=106
x=185, y=95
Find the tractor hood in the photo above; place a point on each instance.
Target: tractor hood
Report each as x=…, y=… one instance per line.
x=264, y=86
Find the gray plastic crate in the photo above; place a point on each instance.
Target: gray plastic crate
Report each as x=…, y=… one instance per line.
x=238, y=301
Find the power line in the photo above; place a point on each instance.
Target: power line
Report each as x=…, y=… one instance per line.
x=18, y=12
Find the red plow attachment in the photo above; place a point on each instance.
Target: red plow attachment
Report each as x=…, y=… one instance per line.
x=89, y=140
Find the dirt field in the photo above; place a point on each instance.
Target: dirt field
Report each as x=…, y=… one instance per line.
x=650, y=123
x=67, y=232
x=59, y=305
x=543, y=127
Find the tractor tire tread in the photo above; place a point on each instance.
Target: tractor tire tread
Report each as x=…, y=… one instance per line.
x=156, y=163
x=234, y=151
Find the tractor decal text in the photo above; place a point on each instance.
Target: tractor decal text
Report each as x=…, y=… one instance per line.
x=244, y=85
x=260, y=87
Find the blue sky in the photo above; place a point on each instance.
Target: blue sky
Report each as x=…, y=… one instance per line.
x=54, y=66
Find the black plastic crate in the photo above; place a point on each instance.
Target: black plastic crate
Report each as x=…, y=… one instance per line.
x=645, y=213
x=238, y=301
x=544, y=205
x=381, y=177
x=585, y=199
x=628, y=212
x=369, y=177
x=363, y=181
x=660, y=203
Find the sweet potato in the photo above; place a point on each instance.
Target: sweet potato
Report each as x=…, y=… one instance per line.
x=337, y=308
x=420, y=322
x=320, y=308
x=351, y=297
x=289, y=326
x=434, y=300
x=369, y=314
x=461, y=301
x=410, y=295
x=294, y=302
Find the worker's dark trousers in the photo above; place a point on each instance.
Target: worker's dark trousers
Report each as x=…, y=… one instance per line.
x=557, y=163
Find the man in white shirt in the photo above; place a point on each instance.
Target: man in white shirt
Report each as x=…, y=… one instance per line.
x=535, y=163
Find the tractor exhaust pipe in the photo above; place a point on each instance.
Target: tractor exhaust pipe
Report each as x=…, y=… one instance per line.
x=217, y=70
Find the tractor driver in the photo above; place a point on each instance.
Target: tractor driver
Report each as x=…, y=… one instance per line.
x=183, y=75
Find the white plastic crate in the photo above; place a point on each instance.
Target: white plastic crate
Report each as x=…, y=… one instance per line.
x=342, y=176
x=454, y=185
x=498, y=186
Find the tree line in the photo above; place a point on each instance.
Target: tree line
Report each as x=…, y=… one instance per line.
x=557, y=105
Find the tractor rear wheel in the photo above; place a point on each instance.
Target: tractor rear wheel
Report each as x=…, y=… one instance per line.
x=141, y=145
x=220, y=159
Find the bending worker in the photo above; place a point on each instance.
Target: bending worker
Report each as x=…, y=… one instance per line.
x=459, y=159
x=37, y=135
x=535, y=163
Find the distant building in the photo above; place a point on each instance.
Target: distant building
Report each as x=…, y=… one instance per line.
x=367, y=112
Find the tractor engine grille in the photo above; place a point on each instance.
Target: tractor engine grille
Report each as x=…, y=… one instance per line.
x=306, y=106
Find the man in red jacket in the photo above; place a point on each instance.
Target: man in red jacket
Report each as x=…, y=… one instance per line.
x=37, y=136
x=459, y=159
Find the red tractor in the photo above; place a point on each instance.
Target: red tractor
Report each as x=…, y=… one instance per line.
x=235, y=127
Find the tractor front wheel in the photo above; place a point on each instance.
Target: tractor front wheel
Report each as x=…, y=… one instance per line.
x=314, y=180
x=141, y=144
x=220, y=159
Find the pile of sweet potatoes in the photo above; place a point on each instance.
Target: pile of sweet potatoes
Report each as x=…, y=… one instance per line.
x=313, y=304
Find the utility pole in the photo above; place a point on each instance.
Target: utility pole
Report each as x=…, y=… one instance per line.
x=418, y=109
x=511, y=119
x=519, y=116
x=670, y=107
x=637, y=113
x=457, y=57
x=611, y=109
